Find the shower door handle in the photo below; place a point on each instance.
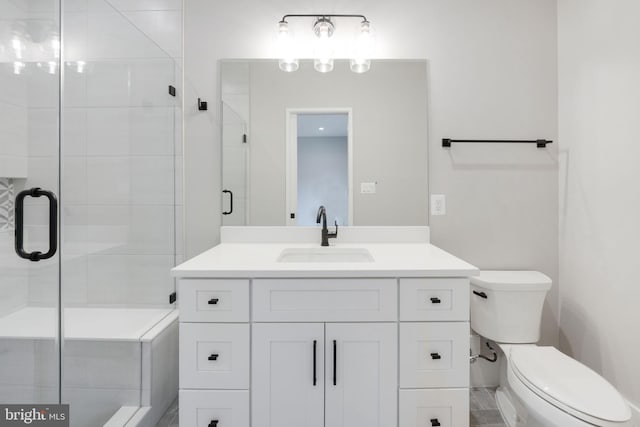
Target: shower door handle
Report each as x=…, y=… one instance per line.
x=53, y=224
x=230, y=211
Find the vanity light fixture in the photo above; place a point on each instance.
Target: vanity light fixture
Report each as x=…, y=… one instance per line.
x=323, y=28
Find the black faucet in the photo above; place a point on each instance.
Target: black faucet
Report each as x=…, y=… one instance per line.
x=322, y=214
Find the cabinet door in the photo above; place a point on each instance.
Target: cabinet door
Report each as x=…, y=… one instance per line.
x=285, y=391
x=361, y=379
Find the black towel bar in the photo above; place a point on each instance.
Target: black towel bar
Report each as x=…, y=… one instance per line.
x=540, y=143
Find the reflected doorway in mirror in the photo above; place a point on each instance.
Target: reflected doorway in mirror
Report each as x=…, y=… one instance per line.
x=319, y=165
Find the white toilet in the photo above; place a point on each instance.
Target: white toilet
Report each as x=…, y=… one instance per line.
x=539, y=386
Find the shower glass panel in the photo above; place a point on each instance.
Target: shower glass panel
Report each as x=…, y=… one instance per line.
x=118, y=206
x=234, y=169
x=87, y=115
x=29, y=158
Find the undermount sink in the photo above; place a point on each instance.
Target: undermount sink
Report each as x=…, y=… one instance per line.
x=321, y=254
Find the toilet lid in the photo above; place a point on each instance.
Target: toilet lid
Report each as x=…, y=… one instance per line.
x=512, y=280
x=568, y=384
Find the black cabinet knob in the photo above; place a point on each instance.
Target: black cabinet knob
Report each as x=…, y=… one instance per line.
x=213, y=357
x=435, y=300
x=213, y=301
x=434, y=422
x=436, y=356
x=214, y=423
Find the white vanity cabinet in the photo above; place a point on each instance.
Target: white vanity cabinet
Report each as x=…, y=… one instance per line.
x=317, y=374
x=315, y=352
x=360, y=380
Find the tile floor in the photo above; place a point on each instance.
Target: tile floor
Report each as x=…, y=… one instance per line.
x=484, y=412
x=483, y=409
x=170, y=418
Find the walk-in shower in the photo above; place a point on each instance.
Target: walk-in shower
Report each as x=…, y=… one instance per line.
x=87, y=117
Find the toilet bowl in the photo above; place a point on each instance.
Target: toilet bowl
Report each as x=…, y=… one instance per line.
x=539, y=386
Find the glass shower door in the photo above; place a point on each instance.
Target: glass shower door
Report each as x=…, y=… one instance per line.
x=88, y=158
x=29, y=177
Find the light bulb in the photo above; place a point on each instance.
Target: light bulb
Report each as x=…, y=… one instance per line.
x=363, y=49
x=323, y=65
x=285, y=48
x=360, y=65
x=323, y=29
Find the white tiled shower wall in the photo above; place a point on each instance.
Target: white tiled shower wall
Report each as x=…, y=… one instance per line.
x=121, y=152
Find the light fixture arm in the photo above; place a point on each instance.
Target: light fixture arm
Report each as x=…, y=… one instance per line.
x=322, y=15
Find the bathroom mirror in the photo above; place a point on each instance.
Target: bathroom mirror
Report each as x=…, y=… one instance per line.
x=355, y=143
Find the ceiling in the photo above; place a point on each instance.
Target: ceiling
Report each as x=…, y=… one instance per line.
x=332, y=125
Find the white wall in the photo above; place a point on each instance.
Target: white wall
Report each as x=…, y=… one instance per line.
x=492, y=74
x=599, y=99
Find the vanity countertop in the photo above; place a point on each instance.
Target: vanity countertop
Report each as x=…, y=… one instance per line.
x=229, y=260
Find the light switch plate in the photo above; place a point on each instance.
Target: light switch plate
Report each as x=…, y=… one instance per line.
x=438, y=204
x=367, y=188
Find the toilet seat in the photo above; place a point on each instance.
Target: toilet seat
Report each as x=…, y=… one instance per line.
x=568, y=385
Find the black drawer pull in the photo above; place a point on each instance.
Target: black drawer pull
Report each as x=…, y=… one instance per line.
x=213, y=301
x=315, y=376
x=480, y=294
x=335, y=362
x=434, y=422
x=435, y=300
x=213, y=357
x=214, y=423
x=436, y=356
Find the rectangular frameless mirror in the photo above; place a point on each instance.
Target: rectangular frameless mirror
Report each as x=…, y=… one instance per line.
x=354, y=143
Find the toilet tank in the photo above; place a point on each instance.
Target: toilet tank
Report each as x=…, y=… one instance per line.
x=506, y=306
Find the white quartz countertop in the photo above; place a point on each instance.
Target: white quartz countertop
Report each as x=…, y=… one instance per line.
x=229, y=260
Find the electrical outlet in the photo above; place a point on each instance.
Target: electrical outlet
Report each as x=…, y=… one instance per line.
x=367, y=188
x=438, y=204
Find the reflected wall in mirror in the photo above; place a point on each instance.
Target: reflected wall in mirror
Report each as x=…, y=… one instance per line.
x=278, y=166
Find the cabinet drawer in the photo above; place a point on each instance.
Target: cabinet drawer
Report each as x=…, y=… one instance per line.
x=214, y=300
x=319, y=300
x=440, y=299
x=434, y=355
x=214, y=356
x=200, y=408
x=443, y=407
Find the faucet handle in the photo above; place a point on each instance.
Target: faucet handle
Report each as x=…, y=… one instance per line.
x=335, y=222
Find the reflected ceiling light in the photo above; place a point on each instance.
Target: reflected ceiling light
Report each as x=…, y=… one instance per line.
x=18, y=67
x=323, y=28
x=52, y=67
x=55, y=46
x=17, y=47
x=80, y=66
